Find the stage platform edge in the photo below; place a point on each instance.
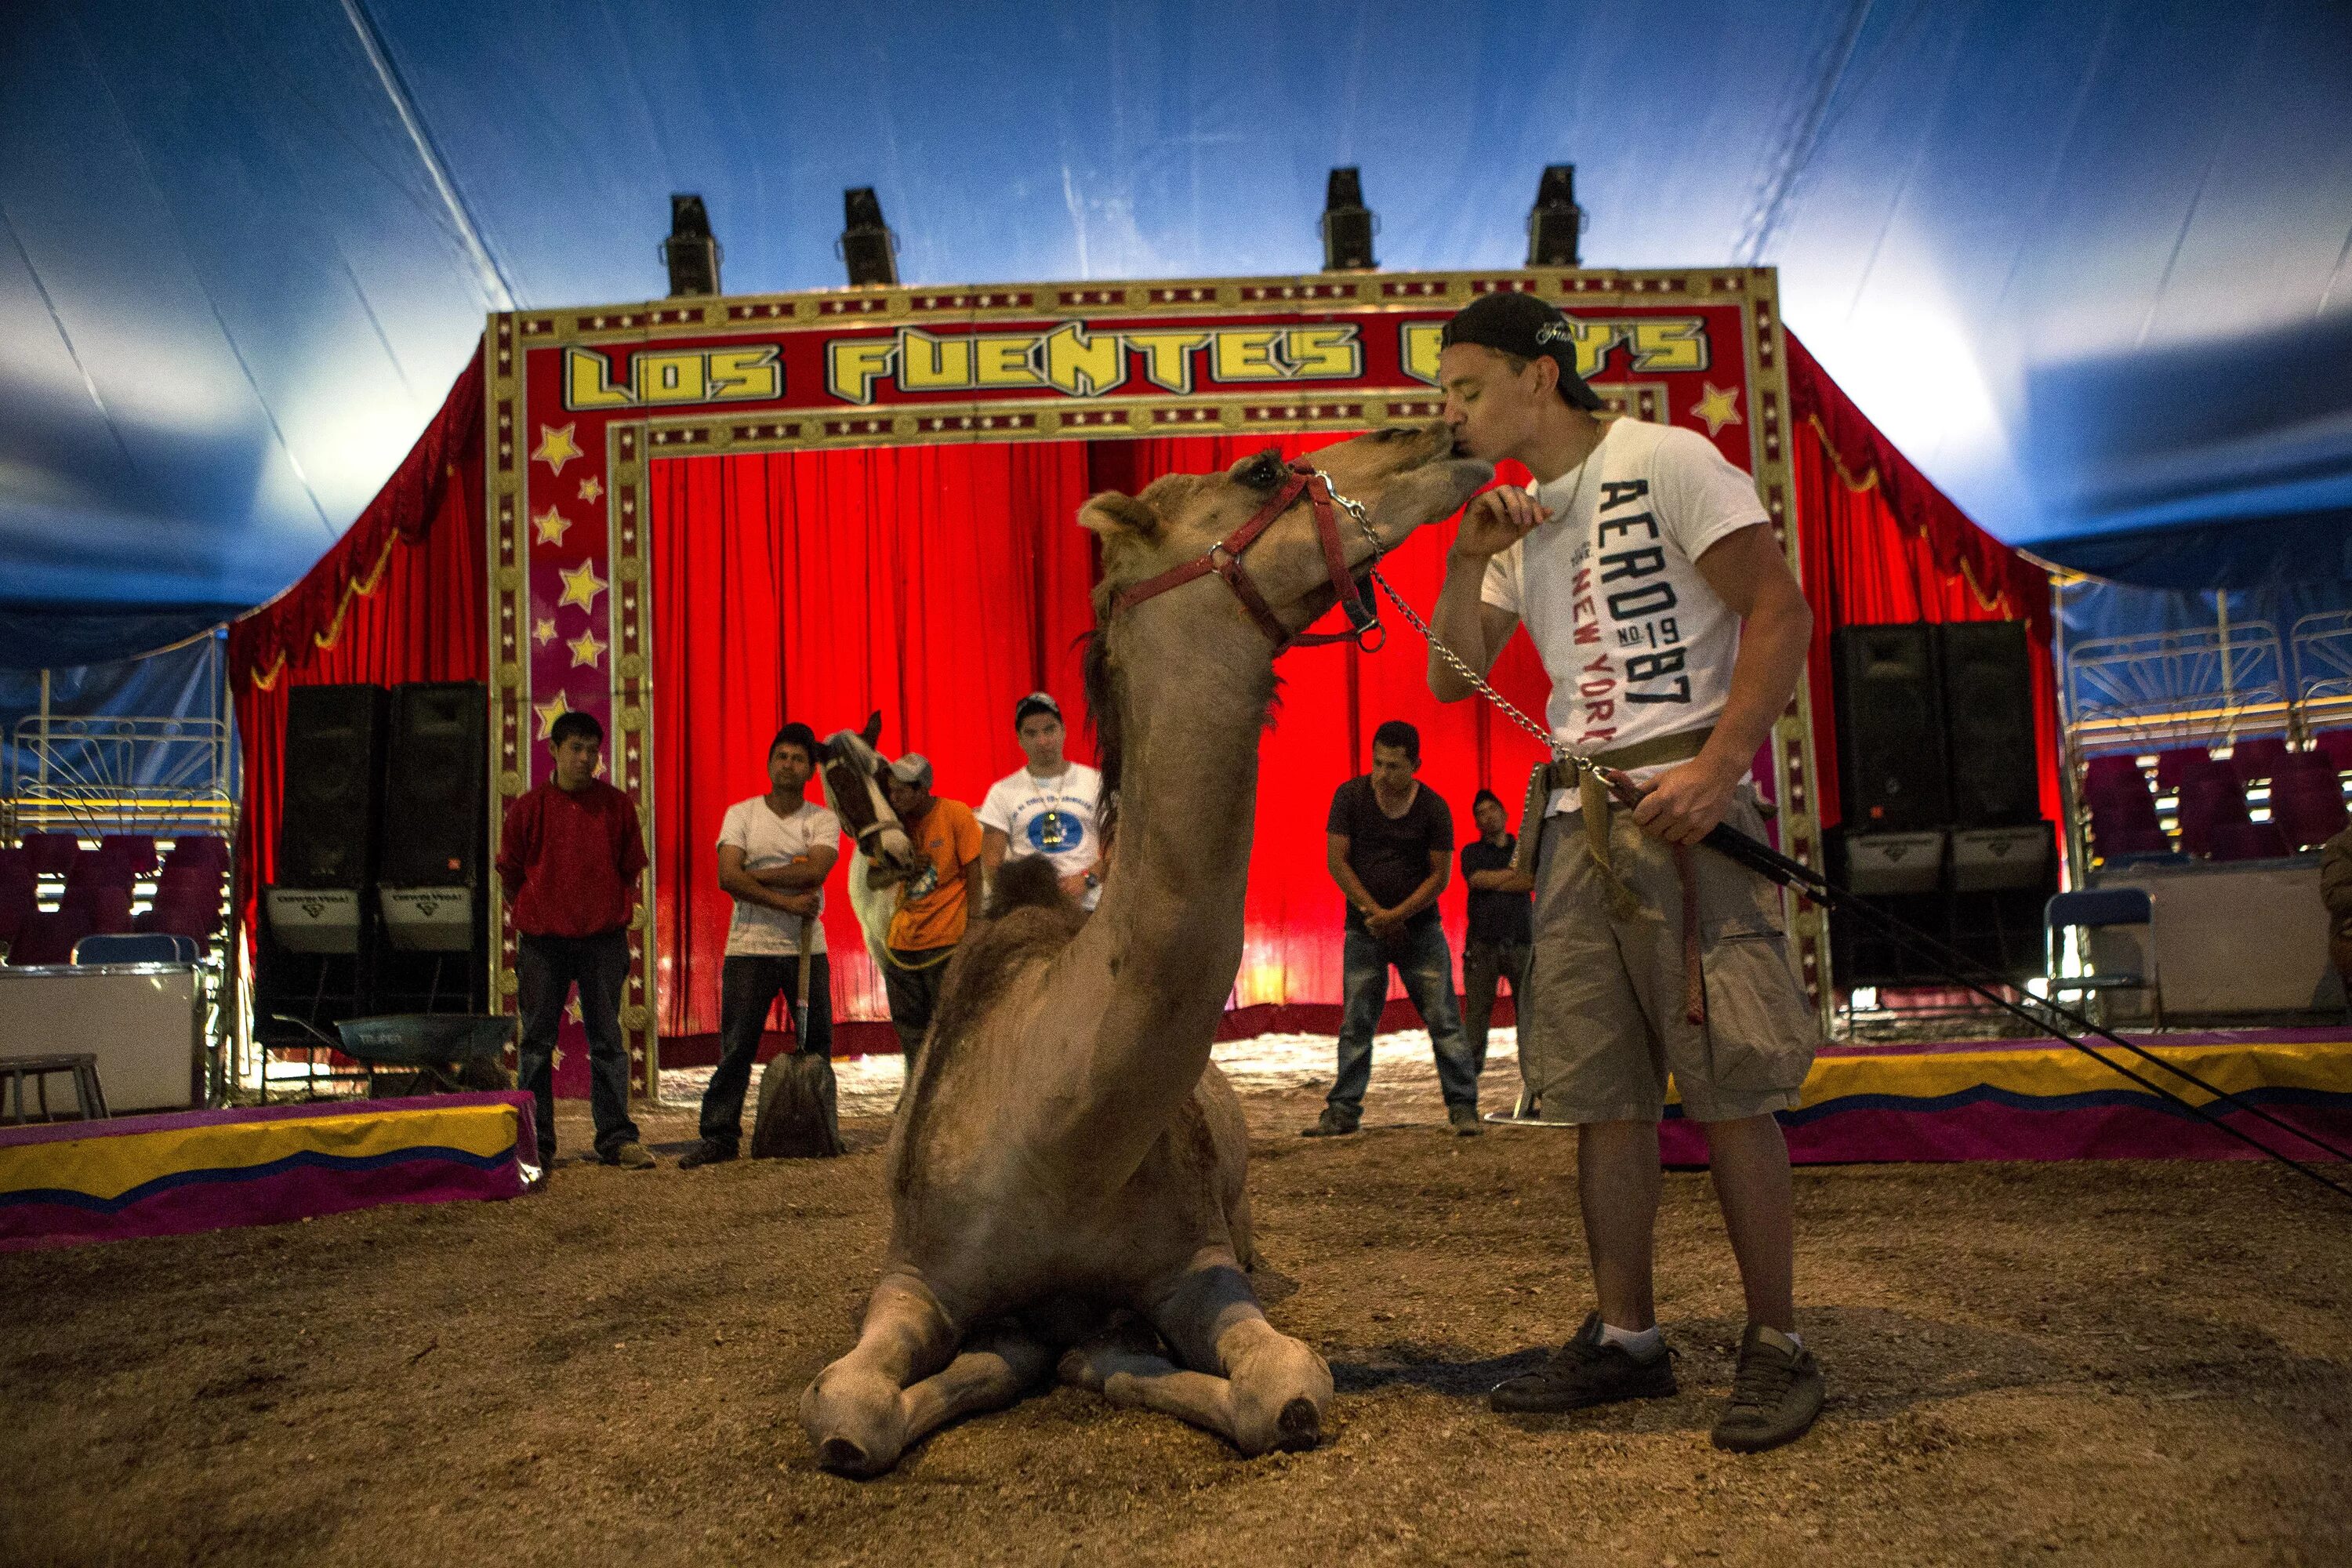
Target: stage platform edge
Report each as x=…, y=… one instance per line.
x=64, y=1184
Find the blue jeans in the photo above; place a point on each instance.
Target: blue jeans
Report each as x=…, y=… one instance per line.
x=546, y=968
x=1426, y=966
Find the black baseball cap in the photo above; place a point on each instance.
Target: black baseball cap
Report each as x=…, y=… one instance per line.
x=1521, y=324
x=1035, y=703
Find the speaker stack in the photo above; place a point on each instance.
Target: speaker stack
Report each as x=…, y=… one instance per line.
x=378, y=902
x=1941, y=803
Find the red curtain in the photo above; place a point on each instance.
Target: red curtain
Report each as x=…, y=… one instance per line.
x=934, y=584
x=939, y=584
x=401, y=596
x=1882, y=544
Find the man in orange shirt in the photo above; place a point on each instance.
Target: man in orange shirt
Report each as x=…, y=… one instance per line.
x=933, y=905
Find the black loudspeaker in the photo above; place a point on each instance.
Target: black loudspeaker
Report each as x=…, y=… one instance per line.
x=334, y=763
x=1988, y=692
x=1890, y=729
x=436, y=791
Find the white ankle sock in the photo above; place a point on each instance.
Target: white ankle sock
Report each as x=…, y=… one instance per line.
x=1642, y=1346
x=1773, y=1336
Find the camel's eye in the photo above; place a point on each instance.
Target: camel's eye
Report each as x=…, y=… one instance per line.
x=1263, y=472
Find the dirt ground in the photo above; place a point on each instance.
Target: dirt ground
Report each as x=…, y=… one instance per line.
x=2092, y=1362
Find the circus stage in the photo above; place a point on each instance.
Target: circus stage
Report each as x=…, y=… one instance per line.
x=66, y=1183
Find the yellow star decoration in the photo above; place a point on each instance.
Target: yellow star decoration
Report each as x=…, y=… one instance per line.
x=585, y=649
x=555, y=1056
x=581, y=586
x=549, y=712
x=556, y=447
x=542, y=631
x=1719, y=407
x=553, y=526
x=590, y=490
x=572, y=1011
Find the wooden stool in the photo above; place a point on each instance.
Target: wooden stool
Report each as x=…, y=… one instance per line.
x=89, y=1100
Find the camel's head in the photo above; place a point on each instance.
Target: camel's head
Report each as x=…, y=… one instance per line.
x=853, y=772
x=1404, y=477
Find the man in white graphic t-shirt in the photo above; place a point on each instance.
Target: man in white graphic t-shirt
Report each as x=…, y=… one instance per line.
x=775, y=851
x=1049, y=808
x=1646, y=573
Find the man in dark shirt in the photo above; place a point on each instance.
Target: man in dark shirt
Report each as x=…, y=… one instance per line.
x=1497, y=946
x=1390, y=844
x=570, y=853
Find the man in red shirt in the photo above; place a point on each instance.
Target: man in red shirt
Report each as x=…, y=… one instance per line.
x=569, y=856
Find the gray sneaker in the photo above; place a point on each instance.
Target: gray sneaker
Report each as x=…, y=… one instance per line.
x=1330, y=1124
x=1775, y=1395
x=1583, y=1372
x=1464, y=1119
x=632, y=1156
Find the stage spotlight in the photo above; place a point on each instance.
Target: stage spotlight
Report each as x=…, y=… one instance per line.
x=689, y=252
x=1555, y=221
x=867, y=246
x=1347, y=224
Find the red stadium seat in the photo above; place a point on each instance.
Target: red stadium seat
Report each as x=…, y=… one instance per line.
x=98, y=871
x=2247, y=841
x=182, y=917
x=135, y=850
x=2174, y=768
x=2120, y=841
x=52, y=853
x=2308, y=800
x=2335, y=745
x=2111, y=775
x=100, y=909
x=200, y=849
x=46, y=938
x=2208, y=800
x=2257, y=757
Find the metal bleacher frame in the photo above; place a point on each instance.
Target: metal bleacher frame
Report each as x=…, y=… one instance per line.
x=165, y=777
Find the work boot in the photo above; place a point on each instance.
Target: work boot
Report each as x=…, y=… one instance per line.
x=1464, y=1119
x=1330, y=1124
x=1583, y=1372
x=1775, y=1395
x=709, y=1151
x=632, y=1156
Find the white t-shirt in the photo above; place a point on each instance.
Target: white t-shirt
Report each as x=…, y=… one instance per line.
x=1054, y=817
x=769, y=841
x=1636, y=643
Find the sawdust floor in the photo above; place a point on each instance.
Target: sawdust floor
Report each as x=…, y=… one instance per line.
x=2118, y=1363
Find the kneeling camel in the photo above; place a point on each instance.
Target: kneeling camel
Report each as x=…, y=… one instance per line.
x=1064, y=1150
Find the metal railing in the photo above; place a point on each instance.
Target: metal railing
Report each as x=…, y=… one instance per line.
x=2172, y=688
x=108, y=775
x=2320, y=647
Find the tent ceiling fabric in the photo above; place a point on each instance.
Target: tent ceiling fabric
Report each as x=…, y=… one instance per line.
x=2085, y=263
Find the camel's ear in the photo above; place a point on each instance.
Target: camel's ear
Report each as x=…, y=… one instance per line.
x=872, y=733
x=1113, y=516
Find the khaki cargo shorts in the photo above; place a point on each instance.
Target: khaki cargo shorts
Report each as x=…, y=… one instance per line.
x=1605, y=1020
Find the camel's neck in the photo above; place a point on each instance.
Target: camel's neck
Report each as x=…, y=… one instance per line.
x=1170, y=925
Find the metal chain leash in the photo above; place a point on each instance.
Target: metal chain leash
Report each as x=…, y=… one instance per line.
x=1478, y=683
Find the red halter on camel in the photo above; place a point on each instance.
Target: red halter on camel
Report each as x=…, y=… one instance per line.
x=1224, y=559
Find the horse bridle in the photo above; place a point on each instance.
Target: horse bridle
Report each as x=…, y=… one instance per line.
x=1224, y=559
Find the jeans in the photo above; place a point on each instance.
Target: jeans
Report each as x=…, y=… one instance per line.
x=1426, y=966
x=1485, y=964
x=546, y=967
x=912, y=981
x=748, y=988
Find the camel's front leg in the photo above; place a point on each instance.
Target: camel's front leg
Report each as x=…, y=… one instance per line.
x=1213, y=1322
x=854, y=1412
x=996, y=1368
x=1267, y=1390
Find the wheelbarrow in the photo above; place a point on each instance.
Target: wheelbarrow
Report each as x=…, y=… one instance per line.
x=424, y=1052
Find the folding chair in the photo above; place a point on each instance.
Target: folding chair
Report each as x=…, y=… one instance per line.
x=2093, y=910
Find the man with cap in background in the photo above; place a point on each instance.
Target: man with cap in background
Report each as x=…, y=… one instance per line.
x=1049, y=808
x=1646, y=573
x=934, y=904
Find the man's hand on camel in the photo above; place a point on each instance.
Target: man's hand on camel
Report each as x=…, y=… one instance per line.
x=1495, y=520
x=1683, y=805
